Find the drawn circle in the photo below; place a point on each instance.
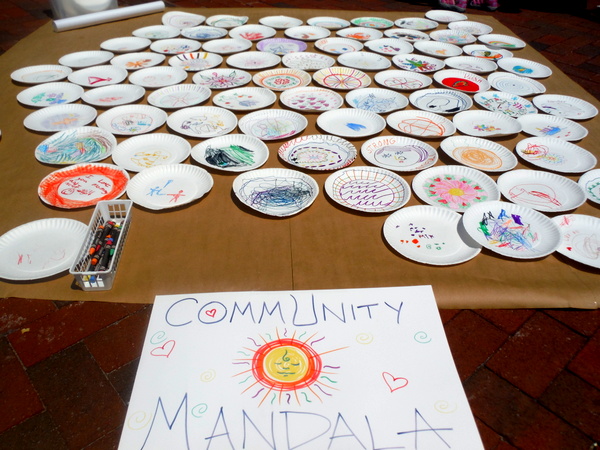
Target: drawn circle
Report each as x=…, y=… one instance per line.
x=208, y=375
x=158, y=337
x=138, y=420
x=212, y=312
x=364, y=338
x=199, y=409
x=478, y=157
x=422, y=337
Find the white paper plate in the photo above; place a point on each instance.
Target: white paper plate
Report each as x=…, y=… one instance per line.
x=342, y=78
x=525, y=67
x=41, y=248
x=478, y=153
x=338, y=45
x=468, y=26
x=252, y=32
x=307, y=61
x=555, y=154
x=501, y=41
x=512, y=230
x=175, y=46
x=318, y=152
x=552, y=126
x=253, y=60
x=590, y=183
x=273, y=124
x=245, y=99
x=78, y=145
x=113, y=95
x=227, y=46
x=444, y=16
x=170, y=186
x=402, y=80
x=515, y=84
x=156, y=77
x=438, y=49
x=331, y=23
x=79, y=60
x=135, y=61
x=579, y=238
x=362, y=34
x=202, y=121
x=130, y=120
x=471, y=64
x=307, y=33
x=222, y=78
x=157, y=32
x=421, y=124
x=456, y=37
x=565, y=106
x=204, y=32
x=41, y=74
x=461, y=81
x=429, y=235
x=486, y=123
x=418, y=63
x=364, y=61
x=226, y=21
x=60, y=117
x=485, y=52
x=281, y=46
x=543, y=191
x=389, y=46
x=232, y=153
x=399, y=153
x=179, y=96
x=351, y=123
x=50, y=94
x=276, y=192
x=282, y=79
x=311, y=99
x=142, y=152
x=376, y=100
x=505, y=103
x=280, y=22
x=454, y=187
x=368, y=189
x=83, y=185
x=416, y=23
x=406, y=35
x=181, y=19
x=125, y=44
x=97, y=76
x=195, y=61
x=440, y=101
x=372, y=22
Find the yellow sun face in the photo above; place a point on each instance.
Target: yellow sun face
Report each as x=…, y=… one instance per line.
x=286, y=364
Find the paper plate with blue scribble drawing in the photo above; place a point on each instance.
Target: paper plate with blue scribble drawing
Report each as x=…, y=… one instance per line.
x=78, y=145
x=351, y=122
x=276, y=192
x=232, y=153
x=512, y=230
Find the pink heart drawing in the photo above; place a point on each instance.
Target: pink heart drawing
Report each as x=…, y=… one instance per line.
x=211, y=313
x=394, y=383
x=164, y=350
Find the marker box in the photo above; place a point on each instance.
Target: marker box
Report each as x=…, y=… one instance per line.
x=88, y=279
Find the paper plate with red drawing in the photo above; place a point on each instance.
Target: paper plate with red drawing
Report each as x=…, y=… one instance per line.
x=542, y=191
x=232, y=153
x=478, y=153
x=456, y=37
x=440, y=101
x=222, y=78
x=245, y=99
x=97, y=76
x=130, y=120
x=50, y=94
x=308, y=61
x=418, y=63
x=318, y=152
x=429, y=235
x=156, y=77
x=402, y=80
x=181, y=20
x=142, y=152
x=555, y=154
x=41, y=248
x=273, y=124
x=125, y=44
x=438, y=49
x=280, y=22
x=362, y=34
x=113, y=95
x=311, y=99
x=342, y=78
x=351, y=122
x=416, y=23
x=501, y=41
x=79, y=145
x=590, y=183
x=83, y=185
x=399, y=153
x=281, y=46
x=368, y=189
x=135, y=61
x=485, y=52
x=486, y=123
x=60, y=117
x=282, y=79
x=461, y=80
x=79, y=60
x=175, y=46
x=179, y=96
x=421, y=124
x=338, y=45
x=454, y=187
x=580, y=238
x=252, y=32
x=389, y=46
x=169, y=186
x=545, y=125
x=525, y=67
x=307, y=33
x=565, y=106
x=196, y=61
x=41, y=74
x=227, y=46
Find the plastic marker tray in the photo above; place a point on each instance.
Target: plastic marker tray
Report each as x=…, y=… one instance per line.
x=120, y=212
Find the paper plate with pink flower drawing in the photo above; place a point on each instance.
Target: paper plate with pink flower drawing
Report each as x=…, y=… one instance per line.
x=454, y=187
x=429, y=235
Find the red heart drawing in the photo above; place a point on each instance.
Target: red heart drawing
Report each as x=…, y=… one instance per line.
x=211, y=312
x=164, y=350
x=394, y=383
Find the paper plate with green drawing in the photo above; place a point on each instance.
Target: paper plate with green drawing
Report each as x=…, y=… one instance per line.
x=78, y=145
x=232, y=153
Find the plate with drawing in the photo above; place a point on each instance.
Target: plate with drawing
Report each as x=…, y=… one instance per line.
x=273, y=124
x=276, y=192
x=511, y=230
x=195, y=61
x=542, y=191
x=421, y=124
x=129, y=120
x=113, y=95
x=41, y=248
x=486, y=123
x=361, y=34
x=280, y=22
x=456, y=37
x=478, y=153
x=471, y=64
x=169, y=186
x=75, y=146
x=342, y=78
x=60, y=117
x=389, y=46
x=429, y=235
x=157, y=77
x=485, y=52
x=525, y=67
x=83, y=185
x=444, y=16
x=376, y=100
x=339, y=45
x=351, y=122
x=157, y=32
x=372, y=22
x=204, y=32
x=331, y=23
x=438, y=49
x=226, y=21
x=253, y=60
x=282, y=79
x=222, y=78
x=440, y=101
x=399, y=153
x=50, y=94
x=501, y=41
x=202, y=121
x=318, y=152
x=311, y=99
x=368, y=189
x=417, y=63
x=515, y=84
x=416, y=23
x=469, y=26
x=552, y=126
x=97, y=76
x=555, y=154
x=590, y=183
x=406, y=35
x=505, y=103
x=227, y=46
x=565, y=106
x=580, y=238
x=308, y=61
x=281, y=46
x=252, y=32
x=402, y=80
x=181, y=20
x=245, y=99
x=307, y=33
x=461, y=80
x=135, y=61
x=142, y=152
x=41, y=74
x=231, y=153
x=179, y=96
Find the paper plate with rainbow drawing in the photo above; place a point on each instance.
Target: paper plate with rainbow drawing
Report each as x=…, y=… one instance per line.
x=399, y=153
x=74, y=146
x=429, y=235
x=318, y=152
x=195, y=61
x=232, y=153
x=142, y=152
x=511, y=230
x=580, y=238
x=555, y=154
x=590, y=183
x=478, y=153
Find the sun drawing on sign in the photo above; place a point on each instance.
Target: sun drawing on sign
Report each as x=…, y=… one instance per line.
x=287, y=369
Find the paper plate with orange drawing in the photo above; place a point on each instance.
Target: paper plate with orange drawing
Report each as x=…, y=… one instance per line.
x=485, y=52
x=135, y=61
x=129, y=120
x=282, y=79
x=486, y=123
x=501, y=41
x=252, y=32
x=41, y=74
x=113, y=95
x=232, y=153
x=318, y=152
x=462, y=80
x=60, y=117
x=478, y=153
x=430, y=235
x=142, y=152
x=82, y=185
x=580, y=238
x=545, y=125
x=362, y=34
x=169, y=186
x=421, y=124
x=78, y=145
x=399, y=153
x=342, y=78
x=555, y=154
x=402, y=80
x=50, y=94
x=41, y=248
